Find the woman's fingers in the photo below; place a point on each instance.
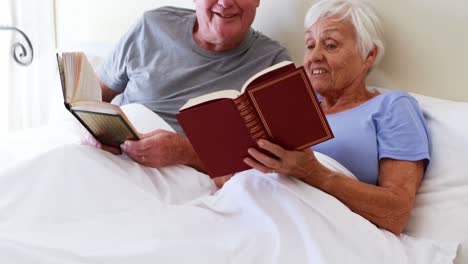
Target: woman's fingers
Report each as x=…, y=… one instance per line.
x=263, y=162
x=271, y=147
x=258, y=166
x=267, y=161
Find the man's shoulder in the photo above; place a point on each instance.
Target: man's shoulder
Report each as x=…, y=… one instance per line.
x=167, y=13
x=265, y=45
x=166, y=19
x=265, y=40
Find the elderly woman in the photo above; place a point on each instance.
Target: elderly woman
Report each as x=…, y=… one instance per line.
x=381, y=137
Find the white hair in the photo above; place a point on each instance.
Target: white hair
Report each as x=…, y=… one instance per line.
x=364, y=18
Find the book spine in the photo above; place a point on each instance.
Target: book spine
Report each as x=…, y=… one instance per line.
x=251, y=120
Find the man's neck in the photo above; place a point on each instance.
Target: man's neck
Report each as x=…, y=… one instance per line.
x=204, y=42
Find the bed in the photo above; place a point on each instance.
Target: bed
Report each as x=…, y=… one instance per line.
x=92, y=207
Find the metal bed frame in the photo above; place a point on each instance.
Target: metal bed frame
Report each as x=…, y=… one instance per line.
x=22, y=54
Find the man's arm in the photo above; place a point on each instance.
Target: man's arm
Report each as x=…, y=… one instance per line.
x=162, y=148
x=107, y=93
x=157, y=149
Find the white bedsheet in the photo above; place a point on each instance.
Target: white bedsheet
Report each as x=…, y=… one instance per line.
x=89, y=206
x=121, y=212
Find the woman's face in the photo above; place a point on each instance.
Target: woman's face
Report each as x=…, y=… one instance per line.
x=332, y=59
x=225, y=21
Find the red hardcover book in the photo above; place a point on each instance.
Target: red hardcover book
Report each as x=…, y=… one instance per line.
x=277, y=104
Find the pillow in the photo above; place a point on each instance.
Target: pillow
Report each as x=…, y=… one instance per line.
x=448, y=127
x=441, y=207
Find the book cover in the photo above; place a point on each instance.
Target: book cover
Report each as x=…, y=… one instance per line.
x=282, y=108
x=109, y=129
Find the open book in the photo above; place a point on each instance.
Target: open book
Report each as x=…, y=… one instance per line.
x=277, y=104
x=82, y=97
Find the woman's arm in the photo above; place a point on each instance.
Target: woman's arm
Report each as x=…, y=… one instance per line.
x=387, y=205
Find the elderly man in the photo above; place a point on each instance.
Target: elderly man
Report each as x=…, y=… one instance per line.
x=171, y=55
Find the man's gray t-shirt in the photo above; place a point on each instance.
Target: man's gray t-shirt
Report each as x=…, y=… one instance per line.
x=158, y=63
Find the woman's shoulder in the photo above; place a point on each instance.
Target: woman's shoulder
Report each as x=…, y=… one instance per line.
x=391, y=97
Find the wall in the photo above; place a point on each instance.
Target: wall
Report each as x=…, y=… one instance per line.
x=427, y=44
x=426, y=39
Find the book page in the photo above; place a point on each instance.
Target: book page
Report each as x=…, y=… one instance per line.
x=61, y=75
x=145, y=120
x=87, y=87
x=230, y=94
x=260, y=73
x=77, y=58
x=97, y=106
x=68, y=63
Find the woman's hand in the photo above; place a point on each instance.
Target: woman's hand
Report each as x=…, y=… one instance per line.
x=299, y=164
x=161, y=148
x=387, y=205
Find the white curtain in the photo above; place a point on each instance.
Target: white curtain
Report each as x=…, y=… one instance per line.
x=5, y=45
x=32, y=90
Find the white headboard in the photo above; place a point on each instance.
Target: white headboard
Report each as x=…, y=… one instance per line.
x=427, y=40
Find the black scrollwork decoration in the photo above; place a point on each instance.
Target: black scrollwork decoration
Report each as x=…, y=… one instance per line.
x=22, y=54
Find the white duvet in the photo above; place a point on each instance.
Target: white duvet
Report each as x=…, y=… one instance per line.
x=77, y=204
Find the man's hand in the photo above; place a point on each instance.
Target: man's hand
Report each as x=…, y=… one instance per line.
x=221, y=180
x=162, y=148
x=88, y=139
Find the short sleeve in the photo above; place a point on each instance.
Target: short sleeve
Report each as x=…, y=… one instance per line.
x=113, y=73
x=403, y=133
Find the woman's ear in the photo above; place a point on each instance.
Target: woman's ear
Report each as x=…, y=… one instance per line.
x=372, y=56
